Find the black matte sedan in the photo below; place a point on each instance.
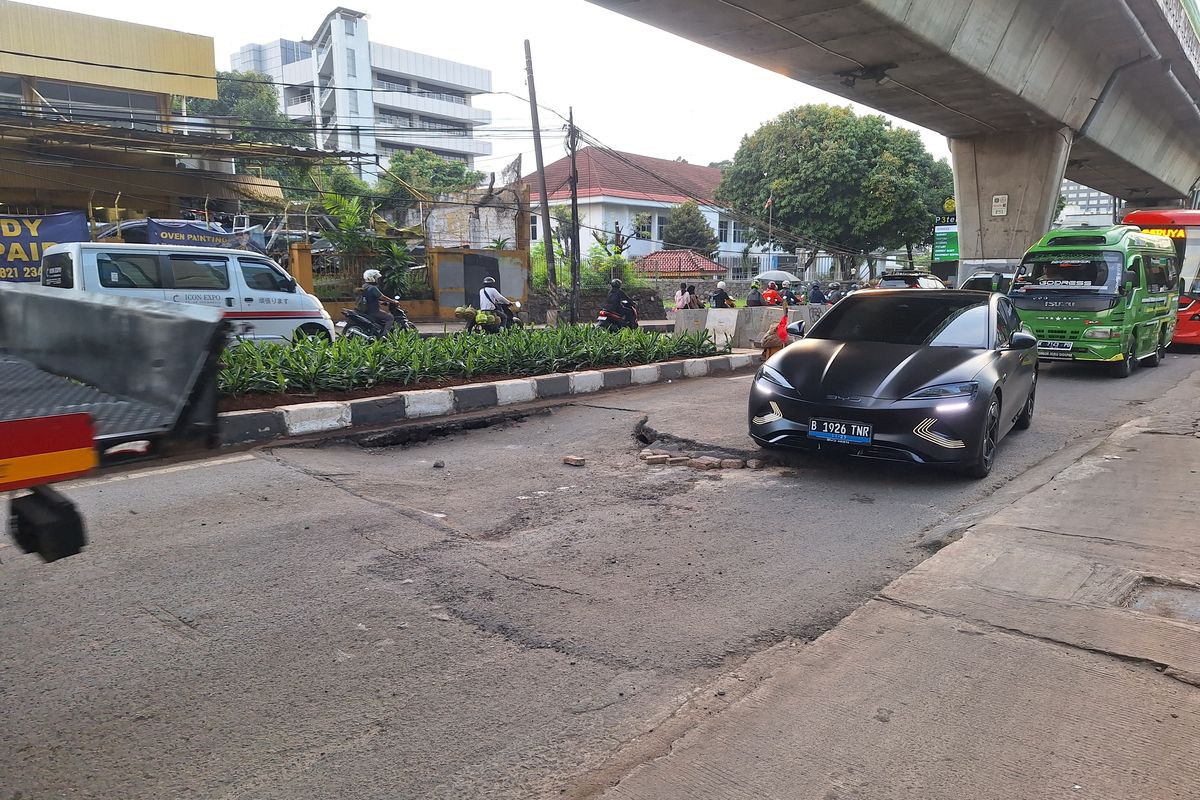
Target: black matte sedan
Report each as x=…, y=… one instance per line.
x=932, y=377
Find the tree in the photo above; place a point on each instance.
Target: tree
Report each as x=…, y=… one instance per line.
x=251, y=105
x=839, y=182
x=426, y=172
x=687, y=229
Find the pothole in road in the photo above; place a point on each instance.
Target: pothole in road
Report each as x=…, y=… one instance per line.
x=1165, y=599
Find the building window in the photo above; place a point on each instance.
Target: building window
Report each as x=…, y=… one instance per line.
x=354, y=102
x=533, y=227
x=349, y=22
x=662, y=229
x=351, y=69
x=739, y=233
x=723, y=231
x=643, y=226
x=355, y=140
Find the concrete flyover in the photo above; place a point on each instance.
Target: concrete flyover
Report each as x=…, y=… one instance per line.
x=1103, y=91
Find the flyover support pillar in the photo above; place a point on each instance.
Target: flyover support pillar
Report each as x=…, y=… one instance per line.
x=1006, y=188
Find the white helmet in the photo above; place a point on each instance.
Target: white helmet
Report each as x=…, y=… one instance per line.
x=372, y=275
x=720, y=284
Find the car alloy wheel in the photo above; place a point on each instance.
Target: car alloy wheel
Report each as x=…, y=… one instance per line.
x=981, y=467
x=1026, y=416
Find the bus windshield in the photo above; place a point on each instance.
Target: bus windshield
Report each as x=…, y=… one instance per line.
x=1082, y=270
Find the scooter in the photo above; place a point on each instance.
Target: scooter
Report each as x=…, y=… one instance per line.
x=613, y=322
x=358, y=324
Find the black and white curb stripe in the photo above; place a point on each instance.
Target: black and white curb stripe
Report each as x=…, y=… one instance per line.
x=249, y=427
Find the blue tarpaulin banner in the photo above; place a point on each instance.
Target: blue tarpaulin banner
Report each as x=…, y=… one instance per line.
x=23, y=239
x=186, y=233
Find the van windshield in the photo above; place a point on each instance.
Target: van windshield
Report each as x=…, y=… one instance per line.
x=1082, y=270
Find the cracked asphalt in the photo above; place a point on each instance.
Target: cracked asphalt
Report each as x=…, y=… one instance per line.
x=334, y=620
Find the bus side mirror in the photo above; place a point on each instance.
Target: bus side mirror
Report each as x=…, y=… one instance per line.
x=1022, y=270
x=1129, y=279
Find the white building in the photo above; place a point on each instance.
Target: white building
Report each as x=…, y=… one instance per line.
x=1086, y=206
x=368, y=97
x=626, y=189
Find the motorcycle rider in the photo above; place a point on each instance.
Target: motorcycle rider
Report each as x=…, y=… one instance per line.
x=490, y=299
x=789, y=297
x=620, y=304
x=372, y=300
x=720, y=298
x=771, y=296
x=816, y=296
x=835, y=292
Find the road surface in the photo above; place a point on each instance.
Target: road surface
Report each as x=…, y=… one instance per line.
x=467, y=617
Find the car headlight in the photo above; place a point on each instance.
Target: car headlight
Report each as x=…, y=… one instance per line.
x=774, y=376
x=943, y=391
x=1102, y=333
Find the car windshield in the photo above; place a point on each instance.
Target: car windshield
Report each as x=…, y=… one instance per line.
x=899, y=282
x=910, y=319
x=1085, y=270
x=983, y=283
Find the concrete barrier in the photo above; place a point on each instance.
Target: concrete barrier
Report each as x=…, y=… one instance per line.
x=743, y=327
x=429, y=403
x=304, y=418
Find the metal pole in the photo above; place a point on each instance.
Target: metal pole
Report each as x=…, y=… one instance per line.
x=547, y=240
x=573, y=146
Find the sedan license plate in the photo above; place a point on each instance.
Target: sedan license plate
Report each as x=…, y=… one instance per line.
x=832, y=430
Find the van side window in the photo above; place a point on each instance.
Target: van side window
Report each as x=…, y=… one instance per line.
x=128, y=271
x=58, y=271
x=200, y=272
x=1135, y=267
x=1158, y=273
x=264, y=277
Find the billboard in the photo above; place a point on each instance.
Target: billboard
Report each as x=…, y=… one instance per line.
x=945, y=232
x=23, y=239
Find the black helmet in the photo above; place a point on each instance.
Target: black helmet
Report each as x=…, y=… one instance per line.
x=489, y=281
x=835, y=285
x=616, y=283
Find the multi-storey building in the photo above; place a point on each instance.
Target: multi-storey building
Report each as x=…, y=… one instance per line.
x=1085, y=205
x=369, y=97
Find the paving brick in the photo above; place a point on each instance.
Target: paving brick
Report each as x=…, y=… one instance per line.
x=243, y=427
x=670, y=370
x=657, y=459
x=677, y=461
x=587, y=381
x=429, y=403
x=732, y=463
x=616, y=378
x=473, y=396
x=522, y=390
x=377, y=410
x=648, y=373
x=574, y=461
x=305, y=418
x=755, y=463
x=700, y=463
x=553, y=385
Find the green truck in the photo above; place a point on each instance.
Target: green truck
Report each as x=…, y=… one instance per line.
x=1100, y=294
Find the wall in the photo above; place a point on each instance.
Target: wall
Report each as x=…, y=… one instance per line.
x=649, y=303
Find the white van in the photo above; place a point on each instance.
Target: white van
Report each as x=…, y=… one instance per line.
x=258, y=297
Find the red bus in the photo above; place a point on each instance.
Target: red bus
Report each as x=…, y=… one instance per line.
x=1182, y=225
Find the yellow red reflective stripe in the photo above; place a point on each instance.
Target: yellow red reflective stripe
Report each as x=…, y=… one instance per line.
x=22, y=471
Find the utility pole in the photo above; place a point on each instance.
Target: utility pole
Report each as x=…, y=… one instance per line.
x=572, y=147
x=547, y=237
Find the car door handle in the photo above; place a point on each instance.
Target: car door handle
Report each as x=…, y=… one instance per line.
x=249, y=299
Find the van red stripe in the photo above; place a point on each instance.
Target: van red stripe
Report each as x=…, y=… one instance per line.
x=27, y=437
x=272, y=314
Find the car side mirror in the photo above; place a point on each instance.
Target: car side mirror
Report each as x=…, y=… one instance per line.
x=1022, y=341
x=997, y=279
x=796, y=328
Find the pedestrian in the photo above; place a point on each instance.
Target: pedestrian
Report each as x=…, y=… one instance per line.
x=720, y=298
x=680, y=300
x=754, y=298
x=694, y=300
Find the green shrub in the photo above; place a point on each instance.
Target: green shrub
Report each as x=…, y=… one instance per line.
x=312, y=365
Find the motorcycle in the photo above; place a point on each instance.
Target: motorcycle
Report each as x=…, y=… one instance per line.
x=613, y=322
x=503, y=318
x=357, y=324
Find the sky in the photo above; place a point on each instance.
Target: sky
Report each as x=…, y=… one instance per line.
x=633, y=87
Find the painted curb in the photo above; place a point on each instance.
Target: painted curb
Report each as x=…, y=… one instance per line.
x=305, y=418
x=248, y=427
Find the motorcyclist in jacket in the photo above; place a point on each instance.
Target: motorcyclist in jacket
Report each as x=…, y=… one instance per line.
x=619, y=303
x=816, y=296
x=373, y=301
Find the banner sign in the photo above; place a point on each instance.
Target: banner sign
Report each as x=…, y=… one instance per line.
x=192, y=234
x=945, y=232
x=23, y=239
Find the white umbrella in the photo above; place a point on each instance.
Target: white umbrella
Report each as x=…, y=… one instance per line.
x=777, y=275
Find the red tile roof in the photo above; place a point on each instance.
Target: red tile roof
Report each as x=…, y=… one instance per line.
x=630, y=176
x=677, y=262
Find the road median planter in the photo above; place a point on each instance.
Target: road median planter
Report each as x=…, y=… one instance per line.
x=303, y=419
